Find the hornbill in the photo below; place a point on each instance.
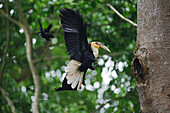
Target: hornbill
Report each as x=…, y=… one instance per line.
x=83, y=55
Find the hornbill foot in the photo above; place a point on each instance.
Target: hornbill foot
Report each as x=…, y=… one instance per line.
x=96, y=65
x=95, y=60
x=98, y=57
x=93, y=67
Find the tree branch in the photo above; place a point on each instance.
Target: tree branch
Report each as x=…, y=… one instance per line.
x=11, y=19
x=3, y=67
x=44, y=53
x=8, y=100
x=121, y=16
x=5, y=52
x=35, y=103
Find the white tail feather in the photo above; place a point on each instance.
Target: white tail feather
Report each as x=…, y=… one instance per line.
x=74, y=76
x=80, y=81
x=73, y=65
x=70, y=73
x=74, y=84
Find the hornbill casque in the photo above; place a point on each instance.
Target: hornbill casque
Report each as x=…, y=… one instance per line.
x=83, y=54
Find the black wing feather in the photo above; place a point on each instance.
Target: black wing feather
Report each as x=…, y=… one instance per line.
x=48, y=28
x=41, y=29
x=74, y=33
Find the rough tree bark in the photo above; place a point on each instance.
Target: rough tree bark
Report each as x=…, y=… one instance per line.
x=151, y=63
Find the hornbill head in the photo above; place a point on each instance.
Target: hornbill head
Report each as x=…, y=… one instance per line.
x=95, y=46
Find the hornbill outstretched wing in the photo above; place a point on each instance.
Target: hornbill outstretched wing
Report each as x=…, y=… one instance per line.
x=74, y=33
x=77, y=46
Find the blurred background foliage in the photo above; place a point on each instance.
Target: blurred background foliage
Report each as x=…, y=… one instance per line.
x=109, y=88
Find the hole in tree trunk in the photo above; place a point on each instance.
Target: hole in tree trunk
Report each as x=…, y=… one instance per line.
x=137, y=68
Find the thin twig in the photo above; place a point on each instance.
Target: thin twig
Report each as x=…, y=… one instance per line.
x=121, y=16
x=4, y=93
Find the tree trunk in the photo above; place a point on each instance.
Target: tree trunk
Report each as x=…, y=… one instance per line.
x=151, y=63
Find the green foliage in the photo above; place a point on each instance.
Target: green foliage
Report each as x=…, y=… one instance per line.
x=111, y=80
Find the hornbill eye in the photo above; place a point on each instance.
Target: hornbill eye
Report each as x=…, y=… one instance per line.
x=97, y=44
